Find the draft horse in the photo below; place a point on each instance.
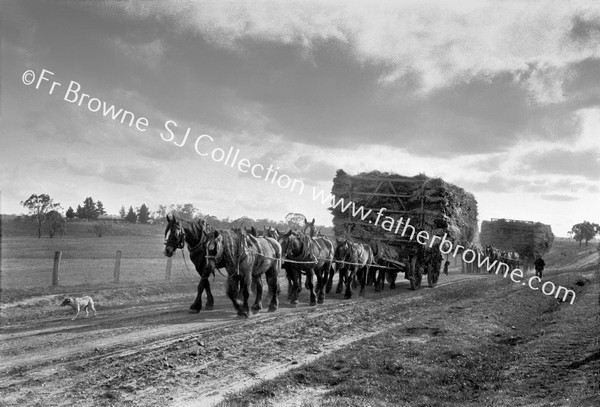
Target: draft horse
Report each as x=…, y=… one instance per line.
x=246, y=258
x=492, y=254
x=353, y=261
x=180, y=233
x=314, y=255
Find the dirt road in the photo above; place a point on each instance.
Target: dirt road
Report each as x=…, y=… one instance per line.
x=43, y=355
x=158, y=354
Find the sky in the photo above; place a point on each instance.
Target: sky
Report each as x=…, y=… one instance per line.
x=498, y=97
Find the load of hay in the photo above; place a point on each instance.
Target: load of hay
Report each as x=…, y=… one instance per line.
x=431, y=204
x=529, y=239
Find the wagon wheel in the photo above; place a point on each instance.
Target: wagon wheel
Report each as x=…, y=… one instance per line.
x=416, y=274
x=433, y=275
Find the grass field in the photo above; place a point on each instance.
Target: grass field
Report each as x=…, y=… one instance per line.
x=28, y=261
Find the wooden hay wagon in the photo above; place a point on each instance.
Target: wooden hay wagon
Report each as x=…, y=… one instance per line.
x=529, y=239
x=427, y=204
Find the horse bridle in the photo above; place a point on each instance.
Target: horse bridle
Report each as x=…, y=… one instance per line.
x=180, y=242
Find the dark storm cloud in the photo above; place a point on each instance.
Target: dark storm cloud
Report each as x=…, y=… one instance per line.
x=582, y=87
x=321, y=95
x=585, y=29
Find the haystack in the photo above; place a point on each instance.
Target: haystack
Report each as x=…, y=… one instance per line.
x=431, y=204
x=529, y=239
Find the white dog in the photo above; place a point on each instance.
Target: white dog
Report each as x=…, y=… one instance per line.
x=78, y=303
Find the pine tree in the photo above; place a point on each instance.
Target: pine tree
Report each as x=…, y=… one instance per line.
x=143, y=214
x=79, y=213
x=122, y=212
x=131, y=216
x=100, y=208
x=89, y=209
x=70, y=213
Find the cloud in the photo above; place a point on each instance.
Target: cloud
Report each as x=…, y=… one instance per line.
x=117, y=172
x=463, y=79
x=149, y=53
x=443, y=41
x=565, y=162
x=500, y=183
x=313, y=170
x=585, y=29
x=558, y=197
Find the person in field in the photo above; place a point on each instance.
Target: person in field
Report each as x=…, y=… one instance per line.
x=539, y=266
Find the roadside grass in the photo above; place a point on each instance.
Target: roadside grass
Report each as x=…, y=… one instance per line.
x=468, y=354
x=44, y=302
x=565, y=253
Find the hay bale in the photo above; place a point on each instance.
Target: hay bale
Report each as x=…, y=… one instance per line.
x=431, y=204
x=527, y=238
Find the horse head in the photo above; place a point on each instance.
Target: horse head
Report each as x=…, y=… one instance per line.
x=291, y=245
x=269, y=231
x=310, y=226
x=174, y=236
x=251, y=231
x=342, y=249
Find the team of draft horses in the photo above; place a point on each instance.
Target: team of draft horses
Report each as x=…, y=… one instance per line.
x=247, y=255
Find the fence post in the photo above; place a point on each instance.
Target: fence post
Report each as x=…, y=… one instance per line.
x=57, y=256
x=168, y=269
x=118, y=266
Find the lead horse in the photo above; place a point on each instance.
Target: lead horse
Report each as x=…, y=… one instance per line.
x=180, y=233
x=246, y=258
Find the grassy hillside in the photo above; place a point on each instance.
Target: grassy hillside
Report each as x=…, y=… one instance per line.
x=566, y=253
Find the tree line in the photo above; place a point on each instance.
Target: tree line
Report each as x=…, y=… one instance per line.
x=49, y=219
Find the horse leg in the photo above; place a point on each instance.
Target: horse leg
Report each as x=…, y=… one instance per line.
x=380, y=280
x=393, y=275
x=232, y=293
x=311, y=287
x=364, y=272
x=329, y=272
x=273, y=288
x=240, y=289
x=197, y=304
x=296, y=278
x=372, y=277
x=245, y=289
x=210, y=300
x=342, y=276
x=321, y=277
x=289, y=275
x=350, y=281
x=258, y=285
